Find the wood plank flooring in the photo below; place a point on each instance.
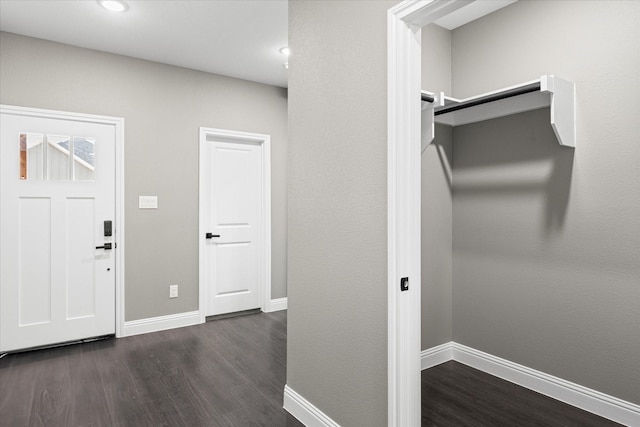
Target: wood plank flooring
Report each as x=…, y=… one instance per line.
x=229, y=372
x=454, y=394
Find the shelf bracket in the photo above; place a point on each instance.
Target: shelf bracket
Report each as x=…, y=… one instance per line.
x=548, y=91
x=563, y=108
x=430, y=102
x=428, y=132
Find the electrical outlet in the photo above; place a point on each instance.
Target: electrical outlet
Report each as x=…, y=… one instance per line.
x=173, y=291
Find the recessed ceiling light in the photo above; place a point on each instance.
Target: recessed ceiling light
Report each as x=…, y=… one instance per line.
x=285, y=51
x=113, y=5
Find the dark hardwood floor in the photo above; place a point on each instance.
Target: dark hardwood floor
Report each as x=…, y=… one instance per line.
x=454, y=394
x=229, y=372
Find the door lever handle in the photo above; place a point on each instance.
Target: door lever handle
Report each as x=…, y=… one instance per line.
x=106, y=247
x=210, y=235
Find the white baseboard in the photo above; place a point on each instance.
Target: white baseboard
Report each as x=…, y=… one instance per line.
x=304, y=411
x=161, y=323
x=436, y=355
x=276, y=305
x=171, y=321
x=593, y=401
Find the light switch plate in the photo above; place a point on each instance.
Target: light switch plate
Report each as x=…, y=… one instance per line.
x=148, y=202
x=173, y=291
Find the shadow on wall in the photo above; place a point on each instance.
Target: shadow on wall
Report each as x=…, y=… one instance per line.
x=515, y=157
x=444, y=156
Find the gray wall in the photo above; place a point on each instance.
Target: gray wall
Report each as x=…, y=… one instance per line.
x=546, y=243
x=163, y=107
x=436, y=200
x=337, y=271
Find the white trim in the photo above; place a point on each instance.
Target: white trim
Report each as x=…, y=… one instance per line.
x=118, y=123
x=590, y=400
x=202, y=300
x=576, y=395
x=161, y=323
x=476, y=10
x=404, y=22
x=277, y=304
x=305, y=411
x=119, y=230
x=265, y=267
x=403, y=225
x=434, y=356
x=266, y=218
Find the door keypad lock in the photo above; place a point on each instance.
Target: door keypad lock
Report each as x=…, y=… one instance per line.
x=108, y=232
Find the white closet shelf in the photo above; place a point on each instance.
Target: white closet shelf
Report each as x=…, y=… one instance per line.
x=547, y=91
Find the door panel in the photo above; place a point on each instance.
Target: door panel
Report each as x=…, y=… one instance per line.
x=34, y=248
x=58, y=186
x=235, y=277
x=81, y=283
x=234, y=214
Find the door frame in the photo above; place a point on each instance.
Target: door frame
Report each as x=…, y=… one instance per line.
x=265, y=232
x=404, y=32
x=118, y=124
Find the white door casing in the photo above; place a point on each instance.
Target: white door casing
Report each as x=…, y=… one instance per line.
x=235, y=260
x=404, y=23
x=55, y=286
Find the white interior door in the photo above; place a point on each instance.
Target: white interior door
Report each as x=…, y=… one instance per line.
x=57, y=185
x=233, y=223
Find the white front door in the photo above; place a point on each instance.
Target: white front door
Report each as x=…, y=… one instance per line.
x=57, y=183
x=234, y=221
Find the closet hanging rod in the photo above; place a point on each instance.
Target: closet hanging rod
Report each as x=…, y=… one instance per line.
x=427, y=98
x=491, y=98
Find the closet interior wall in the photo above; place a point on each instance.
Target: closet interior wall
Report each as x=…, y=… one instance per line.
x=436, y=203
x=546, y=239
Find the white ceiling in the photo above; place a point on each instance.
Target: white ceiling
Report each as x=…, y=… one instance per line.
x=238, y=38
x=233, y=38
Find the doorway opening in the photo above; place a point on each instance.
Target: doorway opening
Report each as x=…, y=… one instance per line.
x=404, y=26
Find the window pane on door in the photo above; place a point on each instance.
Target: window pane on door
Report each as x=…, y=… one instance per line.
x=49, y=157
x=83, y=158
x=58, y=157
x=32, y=156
